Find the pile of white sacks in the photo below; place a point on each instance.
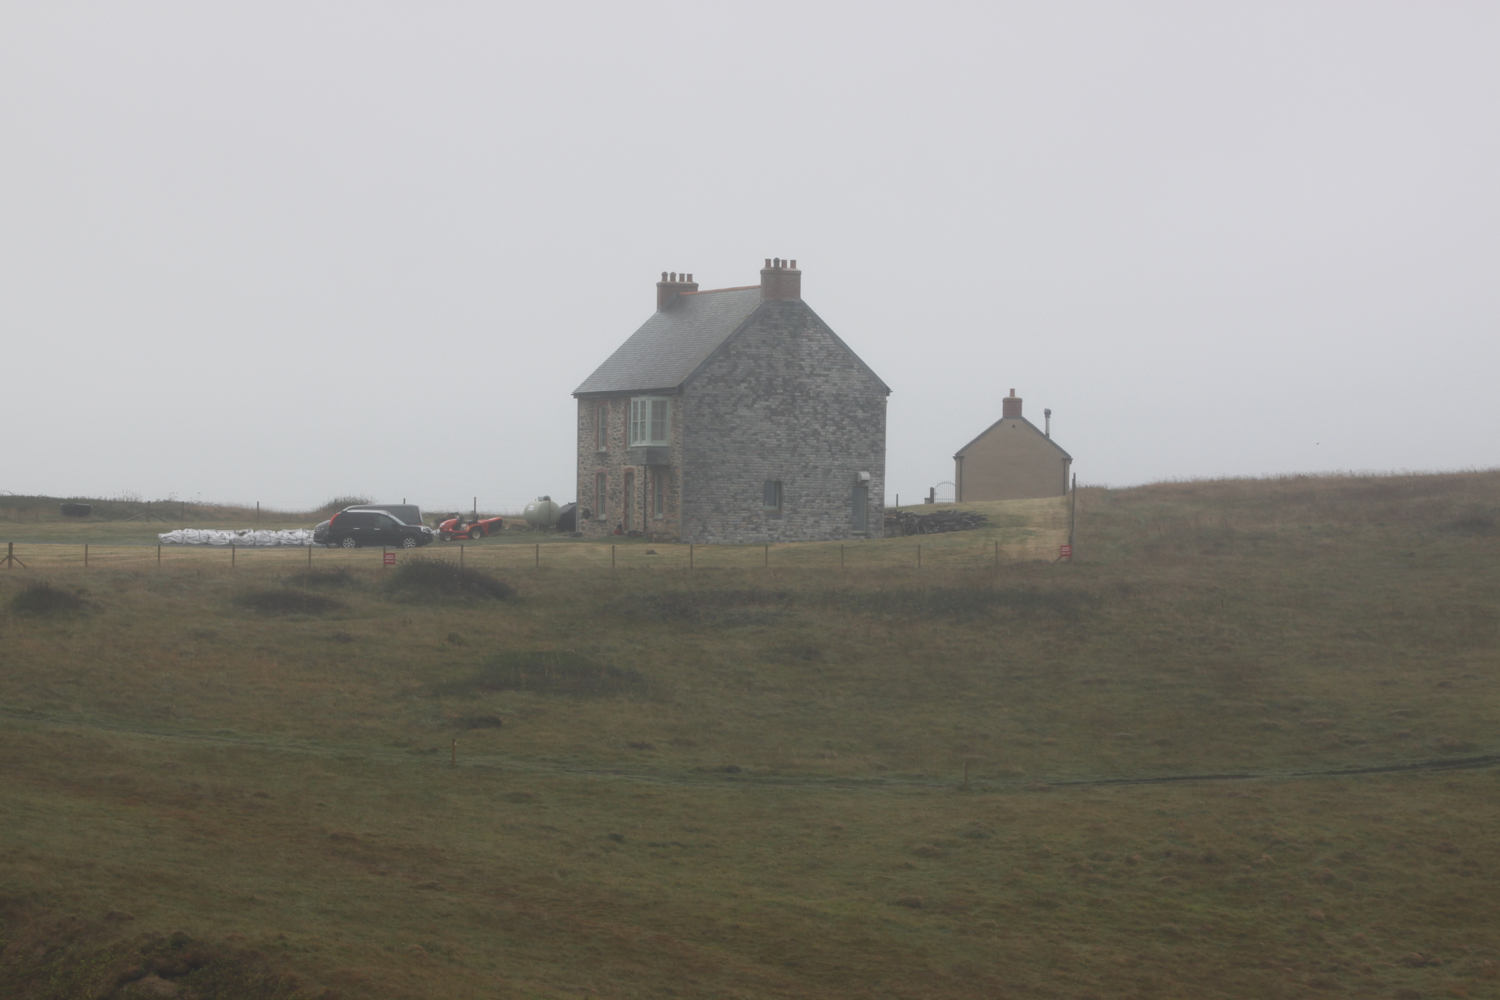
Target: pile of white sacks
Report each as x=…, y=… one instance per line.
x=246, y=539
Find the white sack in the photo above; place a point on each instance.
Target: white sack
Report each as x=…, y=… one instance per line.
x=242, y=539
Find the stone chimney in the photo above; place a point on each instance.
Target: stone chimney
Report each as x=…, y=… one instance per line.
x=780, y=281
x=1011, y=407
x=672, y=285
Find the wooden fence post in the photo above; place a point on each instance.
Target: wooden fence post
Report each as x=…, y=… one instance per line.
x=919, y=553
x=841, y=557
x=611, y=557
x=460, y=554
x=768, y=557
x=231, y=555
x=85, y=555
x=158, y=555
x=690, y=555
x=539, y=555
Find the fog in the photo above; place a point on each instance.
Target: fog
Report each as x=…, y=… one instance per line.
x=283, y=252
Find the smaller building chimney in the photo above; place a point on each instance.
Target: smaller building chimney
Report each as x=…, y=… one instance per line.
x=1047, y=415
x=672, y=285
x=1012, y=406
x=780, y=281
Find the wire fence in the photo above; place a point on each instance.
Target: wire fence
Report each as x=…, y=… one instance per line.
x=34, y=508
x=947, y=552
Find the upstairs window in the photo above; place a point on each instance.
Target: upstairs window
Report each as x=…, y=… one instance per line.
x=601, y=427
x=650, y=421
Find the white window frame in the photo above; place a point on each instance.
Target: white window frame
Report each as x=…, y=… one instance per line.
x=649, y=414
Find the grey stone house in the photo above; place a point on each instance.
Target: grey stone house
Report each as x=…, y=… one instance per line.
x=733, y=415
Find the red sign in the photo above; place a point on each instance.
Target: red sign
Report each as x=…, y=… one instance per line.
x=390, y=558
x=1065, y=552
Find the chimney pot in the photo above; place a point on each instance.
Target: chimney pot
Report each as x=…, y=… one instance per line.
x=672, y=284
x=768, y=263
x=794, y=265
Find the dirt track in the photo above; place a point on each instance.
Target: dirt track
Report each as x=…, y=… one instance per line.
x=743, y=778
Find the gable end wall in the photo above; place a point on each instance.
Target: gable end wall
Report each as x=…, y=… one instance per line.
x=781, y=400
x=1013, y=460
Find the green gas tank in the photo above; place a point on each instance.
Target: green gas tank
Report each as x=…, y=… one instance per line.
x=542, y=513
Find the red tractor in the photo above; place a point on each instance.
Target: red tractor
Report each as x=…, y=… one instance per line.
x=457, y=527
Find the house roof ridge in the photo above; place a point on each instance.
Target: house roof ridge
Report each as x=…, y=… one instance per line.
x=1040, y=433
x=710, y=291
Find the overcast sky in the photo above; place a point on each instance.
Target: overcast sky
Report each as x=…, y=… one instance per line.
x=283, y=252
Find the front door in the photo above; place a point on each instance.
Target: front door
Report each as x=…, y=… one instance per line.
x=629, y=498
x=861, y=510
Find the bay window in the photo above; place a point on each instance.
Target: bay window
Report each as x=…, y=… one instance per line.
x=650, y=421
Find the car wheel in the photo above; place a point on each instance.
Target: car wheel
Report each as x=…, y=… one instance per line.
x=349, y=543
x=475, y=534
x=408, y=542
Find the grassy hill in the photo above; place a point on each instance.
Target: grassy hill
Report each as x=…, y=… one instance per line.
x=742, y=781
x=137, y=522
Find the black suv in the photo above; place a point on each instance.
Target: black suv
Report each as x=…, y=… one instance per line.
x=358, y=527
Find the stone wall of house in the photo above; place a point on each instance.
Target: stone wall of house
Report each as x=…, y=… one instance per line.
x=613, y=461
x=783, y=400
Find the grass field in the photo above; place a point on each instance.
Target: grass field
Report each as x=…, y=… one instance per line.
x=741, y=780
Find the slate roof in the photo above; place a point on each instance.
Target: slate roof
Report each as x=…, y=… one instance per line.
x=673, y=342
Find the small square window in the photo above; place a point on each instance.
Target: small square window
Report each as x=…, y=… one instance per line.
x=771, y=495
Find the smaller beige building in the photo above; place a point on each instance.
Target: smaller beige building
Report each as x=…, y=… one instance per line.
x=1012, y=460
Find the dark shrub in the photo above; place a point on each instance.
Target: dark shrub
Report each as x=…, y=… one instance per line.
x=45, y=599
x=479, y=722
x=1474, y=522
x=959, y=602
x=333, y=578
x=339, y=503
x=721, y=608
x=440, y=580
x=548, y=673
x=289, y=602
